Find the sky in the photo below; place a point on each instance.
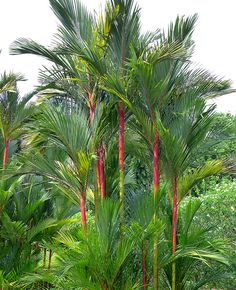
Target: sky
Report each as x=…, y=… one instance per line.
x=215, y=48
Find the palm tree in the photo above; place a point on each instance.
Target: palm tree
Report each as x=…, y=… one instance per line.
x=159, y=75
x=78, y=27
x=14, y=112
x=144, y=106
x=92, y=41
x=70, y=172
x=124, y=32
x=179, y=144
x=194, y=245
x=157, y=90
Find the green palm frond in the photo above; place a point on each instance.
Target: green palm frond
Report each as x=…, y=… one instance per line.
x=5, y=195
x=14, y=231
x=9, y=81
x=74, y=19
x=14, y=113
x=28, y=46
x=124, y=29
x=64, y=176
x=190, y=179
x=167, y=51
x=47, y=225
x=70, y=132
x=181, y=30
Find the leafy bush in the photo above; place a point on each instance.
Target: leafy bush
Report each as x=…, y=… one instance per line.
x=218, y=210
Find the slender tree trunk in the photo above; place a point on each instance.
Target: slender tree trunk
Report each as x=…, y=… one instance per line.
x=98, y=170
x=156, y=182
x=121, y=155
x=105, y=286
x=48, y=285
x=121, y=117
x=144, y=269
x=91, y=107
x=156, y=173
x=49, y=259
x=101, y=171
x=5, y=153
x=174, y=230
x=44, y=257
x=100, y=153
x=83, y=214
x=90, y=100
x=37, y=246
x=91, y=116
x=97, y=191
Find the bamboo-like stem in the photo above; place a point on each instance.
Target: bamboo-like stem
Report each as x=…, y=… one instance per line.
x=155, y=266
x=174, y=230
x=97, y=185
x=98, y=170
x=90, y=100
x=83, y=214
x=49, y=266
x=5, y=153
x=91, y=107
x=49, y=259
x=156, y=174
x=37, y=247
x=44, y=257
x=101, y=171
x=121, y=117
x=91, y=116
x=156, y=182
x=121, y=155
x=144, y=269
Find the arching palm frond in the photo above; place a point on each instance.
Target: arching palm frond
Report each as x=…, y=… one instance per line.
x=181, y=30
x=74, y=19
x=124, y=29
x=28, y=46
x=187, y=181
x=70, y=132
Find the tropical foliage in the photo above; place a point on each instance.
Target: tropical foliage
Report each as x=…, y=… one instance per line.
x=97, y=191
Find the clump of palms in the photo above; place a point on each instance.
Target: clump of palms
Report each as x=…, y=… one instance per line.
x=118, y=93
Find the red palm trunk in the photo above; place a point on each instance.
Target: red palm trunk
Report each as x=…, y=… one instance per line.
x=98, y=169
x=5, y=154
x=156, y=182
x=121, y=153
x=83, y=214
x=91, y=107
x=100, y=153
x=121, y=116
